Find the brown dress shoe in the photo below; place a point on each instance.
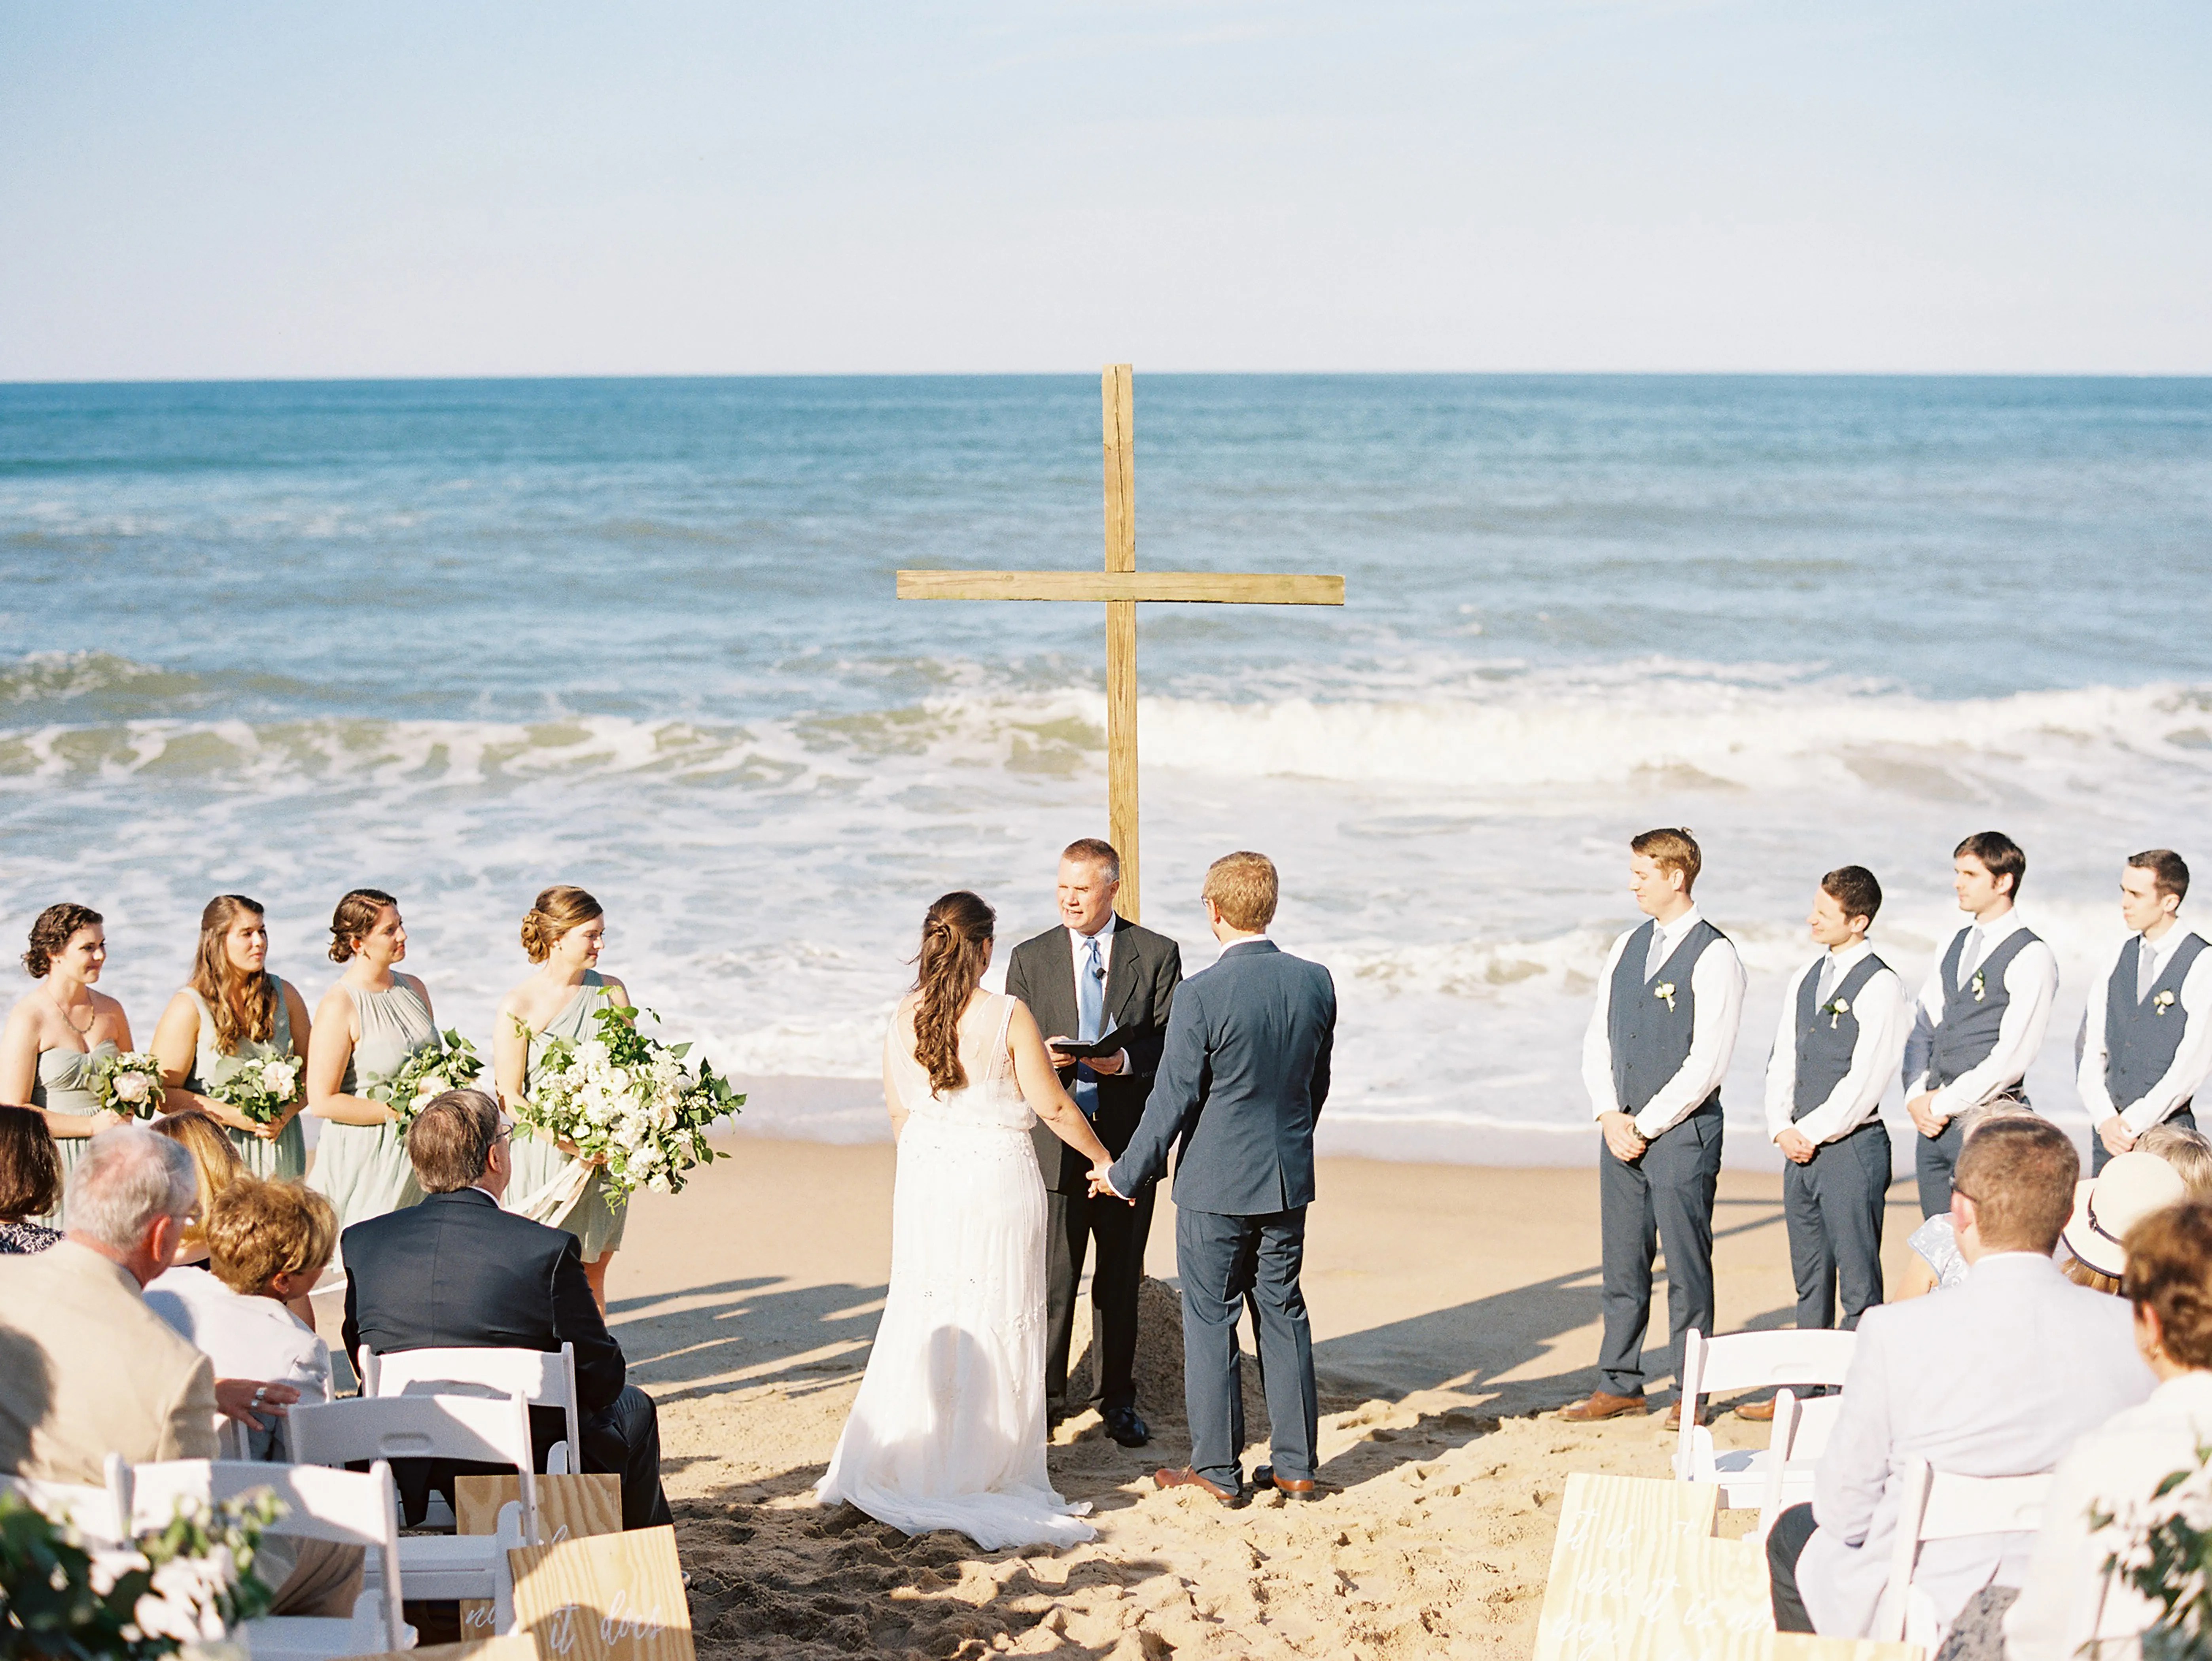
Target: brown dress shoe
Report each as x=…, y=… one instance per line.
x=1188, y=1478
x=1290, y=1487
x=1759, y=1410
x=1675, y=1415
x=1603, y=1405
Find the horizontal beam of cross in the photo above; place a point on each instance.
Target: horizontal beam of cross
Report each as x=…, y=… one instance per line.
x=1195, y=587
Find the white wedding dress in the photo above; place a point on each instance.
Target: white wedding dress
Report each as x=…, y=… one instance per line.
x=949, y=1428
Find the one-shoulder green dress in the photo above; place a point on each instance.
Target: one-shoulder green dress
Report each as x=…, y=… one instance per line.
x=283, y=1157
x=63, y=1084
x=364, y=1168
x=596, y=1224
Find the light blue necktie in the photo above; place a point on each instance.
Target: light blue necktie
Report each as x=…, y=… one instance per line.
x=1090, y=1014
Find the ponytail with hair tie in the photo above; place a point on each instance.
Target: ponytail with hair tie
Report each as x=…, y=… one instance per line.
x=956, y=944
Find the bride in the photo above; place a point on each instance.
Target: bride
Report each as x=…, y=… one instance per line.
x=948, y=1431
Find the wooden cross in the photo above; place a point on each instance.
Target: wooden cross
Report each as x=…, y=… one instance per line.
x=1121, y=584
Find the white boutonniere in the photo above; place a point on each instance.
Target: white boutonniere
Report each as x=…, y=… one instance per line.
x=2162, y=1002
x=1981, y=986
x=1665, y=989
x=1835, y=1009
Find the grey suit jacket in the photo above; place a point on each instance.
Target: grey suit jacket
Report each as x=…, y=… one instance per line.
x=1997, y=1376
x=1242, y=1077
x=1142, y=974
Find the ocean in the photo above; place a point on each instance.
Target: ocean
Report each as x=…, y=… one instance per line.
x=460, y=640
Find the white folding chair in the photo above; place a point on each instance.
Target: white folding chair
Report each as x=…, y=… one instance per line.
x=92, y=1512
x=1938, y=1505
x=472, y=1427
x=1740, y=1361
x=544, y=1378
x=349, y=1507
x=1794, y=1447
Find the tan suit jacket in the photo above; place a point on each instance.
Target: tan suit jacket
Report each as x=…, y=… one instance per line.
x=86, y=1369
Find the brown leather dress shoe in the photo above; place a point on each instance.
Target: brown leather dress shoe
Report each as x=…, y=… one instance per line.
x=1675, y=1415
x=1290, y=1487
x=1188, y=1478
x=1602, y=1404
x=1759, y=1410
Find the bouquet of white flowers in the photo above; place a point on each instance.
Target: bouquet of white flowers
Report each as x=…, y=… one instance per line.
x=184, y=1585
x=630, y=1101
x=129, y=1083
x=451, y=1064
x=2168, y=1560
x=260, y=1089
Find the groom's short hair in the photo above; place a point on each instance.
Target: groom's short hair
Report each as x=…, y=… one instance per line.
x=1245, y=887
x=1095, y=850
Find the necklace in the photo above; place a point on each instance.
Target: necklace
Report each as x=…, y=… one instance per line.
x=80, y=1031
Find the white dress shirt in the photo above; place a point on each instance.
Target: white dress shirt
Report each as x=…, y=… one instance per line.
x=1879, y=1010
x=1716, y=985
x=1078, y=947
x=2031, y=981
x=2123, y=1462
x=245, y=1336
x=2192, y=1061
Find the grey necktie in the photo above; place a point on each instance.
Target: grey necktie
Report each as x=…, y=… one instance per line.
x=1827, y=982
x=1654, y=955
x=2145, y=968
x=1971, y=955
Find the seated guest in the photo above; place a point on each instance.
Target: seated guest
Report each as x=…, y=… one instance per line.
x=457, y=1272
x=86, y=1369
x=2189, y=1151
x=30, y=1180
x=2169, y=1285
x=215, y=1166
x=267, y=1243
x=1936, y=1261
x=2128, y=1190
x=1996, y=1377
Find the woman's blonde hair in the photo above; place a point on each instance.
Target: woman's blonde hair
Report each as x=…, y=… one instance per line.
x=216, y=1165
x=244, y=1006
x=2187, y=1150
x=553, y=914
x=257, y=1229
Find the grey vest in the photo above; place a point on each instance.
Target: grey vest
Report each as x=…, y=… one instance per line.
x=1968, y=1031
x=1824, y=1042
x=2141, y=1035
x=1650, y=1040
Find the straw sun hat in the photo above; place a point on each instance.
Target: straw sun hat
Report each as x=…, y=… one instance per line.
x=2128, y=1191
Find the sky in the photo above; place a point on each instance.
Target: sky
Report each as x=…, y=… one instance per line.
x=226, y=189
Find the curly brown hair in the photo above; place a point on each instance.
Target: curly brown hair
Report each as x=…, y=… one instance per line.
x=54, y=928
x=2170, y=1270
x=956, y=943
x=356, y=914
x=244, y=1005
x=555, y=912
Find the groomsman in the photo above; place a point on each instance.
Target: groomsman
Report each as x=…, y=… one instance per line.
x=1097, y=975
x=1981, y=1016
x=2148, y=1037
x=1658, y=1045
x=1841, y=1030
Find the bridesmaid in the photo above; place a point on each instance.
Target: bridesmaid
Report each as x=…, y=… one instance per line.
x=368, y=1027
x=563, y=931
x=234, y=1013
x=60, y=1026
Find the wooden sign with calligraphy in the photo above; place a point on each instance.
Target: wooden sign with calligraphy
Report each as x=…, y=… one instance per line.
x=605, y=1597
x=1636, y=1575
x=568, y=1508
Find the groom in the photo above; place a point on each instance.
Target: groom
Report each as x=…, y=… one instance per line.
x=1243, y=1075
x=1095, y=975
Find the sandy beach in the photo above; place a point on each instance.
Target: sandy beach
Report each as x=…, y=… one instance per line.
x=1454, y=1309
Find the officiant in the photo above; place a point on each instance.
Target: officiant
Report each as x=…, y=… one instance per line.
x=1098, y=978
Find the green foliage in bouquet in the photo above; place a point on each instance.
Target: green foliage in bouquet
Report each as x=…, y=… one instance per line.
x=64, y=1598
x=2168, y=1560
x=259, y=1089
x=630, y=1100
x=451, y=1064
x=129, y=1083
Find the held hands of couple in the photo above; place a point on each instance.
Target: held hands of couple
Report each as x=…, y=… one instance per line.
x=1101, y=1184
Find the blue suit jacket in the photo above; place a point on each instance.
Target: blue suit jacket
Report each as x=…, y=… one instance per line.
x=1243, y=1072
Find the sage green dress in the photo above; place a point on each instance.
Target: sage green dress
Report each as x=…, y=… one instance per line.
x=596, y=1224
x=284, y=1157
x=63, y=1084
x=363, y=1168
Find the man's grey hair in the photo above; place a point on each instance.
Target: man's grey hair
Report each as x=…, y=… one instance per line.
x=128, y=1178
x=1097, y=850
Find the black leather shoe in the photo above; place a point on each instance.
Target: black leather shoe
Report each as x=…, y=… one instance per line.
x=1123, y=1425
x=1290, y=1487
x=1054, y=1419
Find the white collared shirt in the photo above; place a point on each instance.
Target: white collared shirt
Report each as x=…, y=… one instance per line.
x=1879, y=1010
x=1716, y=985
x=2031, y=983
x=1078, y=946
x=2192, y=1061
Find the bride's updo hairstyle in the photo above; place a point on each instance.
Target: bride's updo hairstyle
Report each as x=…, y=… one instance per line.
x=356, y=916
x=554, y=912
x=956, y=940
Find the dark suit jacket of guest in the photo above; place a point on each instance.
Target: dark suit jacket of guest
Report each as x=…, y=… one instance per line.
x=1241, y=1078
x=1141, y=978
x=458, y=1272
